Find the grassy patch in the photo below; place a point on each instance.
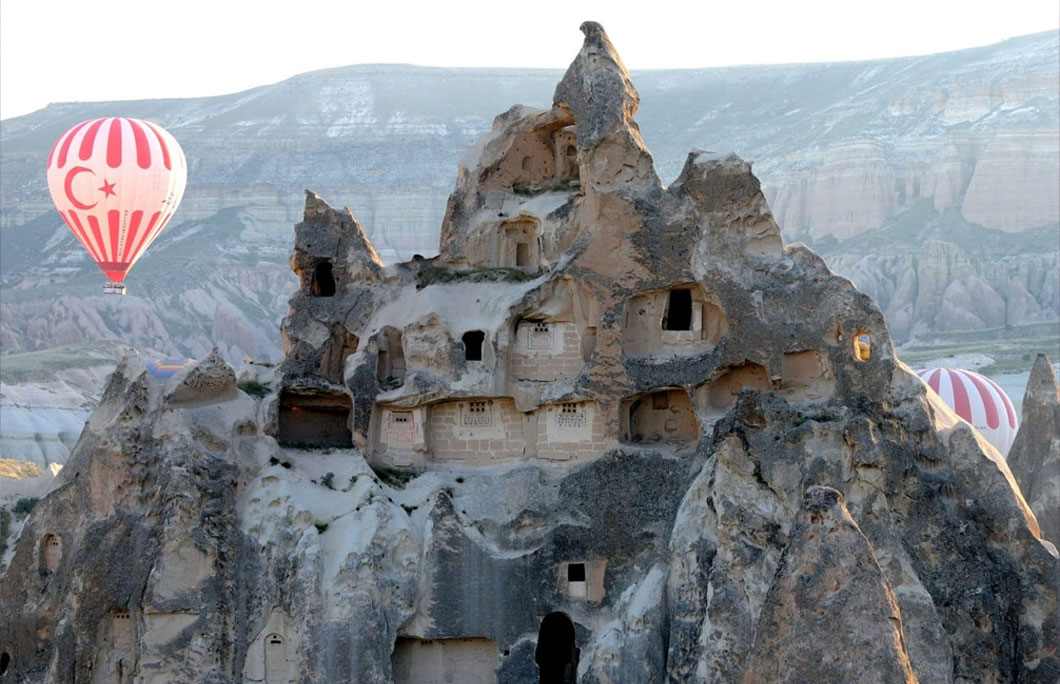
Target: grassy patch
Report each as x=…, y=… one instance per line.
x=394, y=477
x=24, y=506
x=43, y=364
x=254, y=388
x=1013, y=348
x=564, y=185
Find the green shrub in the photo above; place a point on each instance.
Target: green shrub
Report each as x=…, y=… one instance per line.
x=254, y=388
x=24, y=506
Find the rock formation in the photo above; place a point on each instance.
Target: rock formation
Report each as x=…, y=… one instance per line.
x=615, y=432
x=1035, y=454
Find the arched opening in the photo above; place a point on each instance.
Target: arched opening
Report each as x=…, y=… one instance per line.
x=275, y=660
x=390, y=366
x=323, y=282
x=862, y=346
x=5, y=660
x=473, y=340
x=51, y=552
x=338, y=348
x=556, y=654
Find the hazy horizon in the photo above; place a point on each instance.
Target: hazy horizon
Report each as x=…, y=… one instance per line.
x=233, y=50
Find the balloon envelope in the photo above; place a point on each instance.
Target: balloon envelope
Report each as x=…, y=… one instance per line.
x=116, y=182
x=978, y=400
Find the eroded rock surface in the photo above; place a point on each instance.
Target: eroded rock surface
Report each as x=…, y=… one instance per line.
x=607, y=435
x=1035, y=454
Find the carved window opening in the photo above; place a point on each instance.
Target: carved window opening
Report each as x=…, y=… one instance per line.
x=678, y=311
x=539, y=336
x=557, y=653
x=473, y=340
x=576, y=572
x=323, y=282
x=477, y=414
x=5, y=661
x=862, y=346
x=522, y=254
x=571, y=415
x=572, y=151
x=51, y=552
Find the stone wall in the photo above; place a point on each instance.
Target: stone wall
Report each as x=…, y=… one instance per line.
x=442, y=661
x=476, y=431
x=546, y=351
x=570, y=431
x=400, y=436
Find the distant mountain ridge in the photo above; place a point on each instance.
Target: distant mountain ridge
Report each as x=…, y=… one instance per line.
x=865, y=161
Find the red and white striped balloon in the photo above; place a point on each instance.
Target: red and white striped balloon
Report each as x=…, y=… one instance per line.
x=116, y=182
x=978, y=400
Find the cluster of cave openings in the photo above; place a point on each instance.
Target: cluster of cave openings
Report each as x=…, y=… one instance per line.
x=51, y=552
x=322, y=282
x=442, y=661
x=473, y=341
x=557, y=652
x=313, y=420
x=721, y=393
x=683, y=318
x=665, y=416
x=390, y=367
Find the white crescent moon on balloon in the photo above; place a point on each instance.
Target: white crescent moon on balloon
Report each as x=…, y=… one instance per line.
x=68, y=185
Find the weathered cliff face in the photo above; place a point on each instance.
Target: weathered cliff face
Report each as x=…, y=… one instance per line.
x=615, y=432
x=1035, y=454
x=844, y=151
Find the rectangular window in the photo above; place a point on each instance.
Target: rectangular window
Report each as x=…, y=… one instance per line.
x=570, y=416
x=477, y=414
x=522, y=254
x=539, y=336
x=678, y=311
x=576, y=572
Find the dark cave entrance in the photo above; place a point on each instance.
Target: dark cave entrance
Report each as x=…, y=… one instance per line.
x=557, y=654
x=678, y=311
x=473, y=340
x=314, y=420
x=323, y=283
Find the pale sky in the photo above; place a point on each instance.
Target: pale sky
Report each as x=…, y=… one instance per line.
x=77, y=50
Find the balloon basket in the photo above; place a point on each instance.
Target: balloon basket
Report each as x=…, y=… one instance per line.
x=114, y=288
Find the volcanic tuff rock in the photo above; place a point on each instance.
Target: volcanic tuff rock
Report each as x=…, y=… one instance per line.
x=1035, y=453
x=616, y=431
x=863, y=161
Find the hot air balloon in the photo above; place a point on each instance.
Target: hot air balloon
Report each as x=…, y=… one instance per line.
x=978, y=400
x=116, y=182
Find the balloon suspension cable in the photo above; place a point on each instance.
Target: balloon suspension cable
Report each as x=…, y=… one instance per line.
x=114, y=288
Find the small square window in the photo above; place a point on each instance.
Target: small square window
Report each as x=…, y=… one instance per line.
x=576, y=572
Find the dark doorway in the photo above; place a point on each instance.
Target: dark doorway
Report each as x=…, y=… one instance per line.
x=314, y=420
x=678, y=311
x=556, y=654
x=473, y=340
x=5, y=660
x=323, y=284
